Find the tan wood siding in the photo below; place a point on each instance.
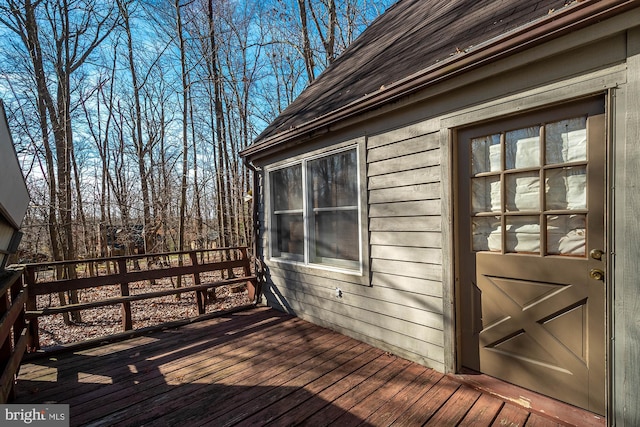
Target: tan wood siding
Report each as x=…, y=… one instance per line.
x=626, y=249
x=433, y=256
x=420, y=208
x=415, y=285
x=413, y=161
x=405, y=221
x=410, y=223
x=404, y=329
x=410, y=177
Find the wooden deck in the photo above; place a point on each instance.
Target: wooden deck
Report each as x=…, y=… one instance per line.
x=261, y=367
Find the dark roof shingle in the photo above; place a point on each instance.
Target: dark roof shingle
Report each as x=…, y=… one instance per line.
x=409, y=37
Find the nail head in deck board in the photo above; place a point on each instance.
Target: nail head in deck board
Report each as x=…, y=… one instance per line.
x=429, y=403
x=536, y=420
x=510, y=416
x=455, y=408
x=392, y=409
x=372, y=403
x=482, y=412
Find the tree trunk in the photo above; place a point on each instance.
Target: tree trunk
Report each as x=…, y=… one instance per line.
x=185, y=142
x=306, y=42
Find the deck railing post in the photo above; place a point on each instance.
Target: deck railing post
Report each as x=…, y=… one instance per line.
x=127, y=320
x=251, y=285
x=200, y=295
x=34, y=335
x=21, y=322
x=5, y=346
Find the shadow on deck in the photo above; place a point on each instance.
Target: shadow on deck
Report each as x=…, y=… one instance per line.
x=258, y=367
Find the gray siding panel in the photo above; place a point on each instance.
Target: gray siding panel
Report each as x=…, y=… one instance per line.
x=418, y=208
x=405, y=223
x=626, y=250
x=418, y=285
x=412, y=161
x=403, y=148
x=401, y=308
x=407, y=269
x=418, y=239
x=404, y=329
x=428, y=255
x=410, y=223
x=410, y=177
x=406, y=193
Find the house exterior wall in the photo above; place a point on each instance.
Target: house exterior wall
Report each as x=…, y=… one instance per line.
x=625, y=244
x=404, y=300
x=14, y=197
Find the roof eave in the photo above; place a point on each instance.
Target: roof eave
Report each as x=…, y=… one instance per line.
x=554, y=25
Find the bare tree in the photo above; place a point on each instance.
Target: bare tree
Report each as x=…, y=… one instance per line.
x=75, y=29
x=140, y=145
x=159, y=158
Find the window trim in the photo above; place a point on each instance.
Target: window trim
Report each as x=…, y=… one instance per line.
x=347, y=267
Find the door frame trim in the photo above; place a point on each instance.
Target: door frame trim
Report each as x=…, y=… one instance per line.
x=450, y=128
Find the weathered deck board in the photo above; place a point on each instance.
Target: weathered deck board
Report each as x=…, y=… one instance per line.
x=258, y=367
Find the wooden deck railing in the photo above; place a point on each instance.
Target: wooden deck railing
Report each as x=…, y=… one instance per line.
x=230, y=265
x=13, y=329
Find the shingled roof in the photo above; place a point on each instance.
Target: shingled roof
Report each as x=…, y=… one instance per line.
x=410, y=37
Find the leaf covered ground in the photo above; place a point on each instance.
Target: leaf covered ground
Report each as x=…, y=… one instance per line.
x=107, y=320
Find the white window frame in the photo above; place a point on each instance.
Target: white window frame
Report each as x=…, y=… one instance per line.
x=346, y=266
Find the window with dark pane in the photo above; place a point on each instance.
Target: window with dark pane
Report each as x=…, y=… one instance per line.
x=315, y=207
x=287, y=196
x=334, y=208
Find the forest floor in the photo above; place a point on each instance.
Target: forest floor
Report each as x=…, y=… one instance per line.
x=107, y=320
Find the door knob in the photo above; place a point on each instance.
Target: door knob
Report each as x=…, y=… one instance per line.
x=596, y=254
x=596, y=274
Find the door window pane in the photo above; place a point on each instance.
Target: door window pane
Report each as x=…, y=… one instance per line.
x=566, y=141
x=523, y=192
x=566, y=188
x=522, y=148
x=515, y=198
x=487, y=234
x=485, y=195
x=486, y=154
x=523, y=234
x=566, y=235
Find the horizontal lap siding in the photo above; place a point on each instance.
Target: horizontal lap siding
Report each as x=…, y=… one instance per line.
x=404, y=323
x=401, y=311
x=404, y=199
